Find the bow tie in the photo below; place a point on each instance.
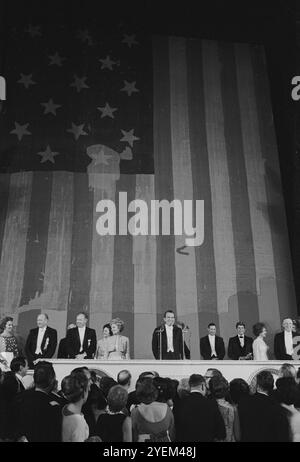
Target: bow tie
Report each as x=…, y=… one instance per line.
x=241, y=336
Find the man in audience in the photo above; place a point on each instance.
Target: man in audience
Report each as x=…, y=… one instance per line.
x=196, y=417
x=124, y=379
x=19, y=368
x=283, y=341
x=41, y=342
x=240, y=346
x=81, y=340
x=212, y=346
x=261, y=418
x=39, y=417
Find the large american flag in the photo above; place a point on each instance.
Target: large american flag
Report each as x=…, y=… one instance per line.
x=92, y=112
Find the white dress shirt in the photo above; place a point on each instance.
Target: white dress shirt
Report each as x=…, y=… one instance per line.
x=212, y=341
x=288, y=341
x=169, y=331
x=40, y=337
x=81, y=331
x=242, y=341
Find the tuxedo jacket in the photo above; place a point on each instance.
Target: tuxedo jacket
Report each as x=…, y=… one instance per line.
x=198, y=418
x=279, y=346
x=89, y=342
x=48, y=345
x=205, y=348
x=177, y=342
x=234, y=347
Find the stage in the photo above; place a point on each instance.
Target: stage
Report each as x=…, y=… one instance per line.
x=174, y=369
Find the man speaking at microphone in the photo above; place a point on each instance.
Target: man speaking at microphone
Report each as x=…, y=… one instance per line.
x=167, y=339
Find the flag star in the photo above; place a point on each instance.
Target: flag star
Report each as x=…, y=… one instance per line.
x=129, y=137
x=107, y=63
x=47, y=155
x=130, y=40
x=56, y=60
x=26, y=80
x=50, y=107
x=20, y=130
x=77, y=130
x=107, y=111
x=129, y=87
x=99, y=158
x=34, y=31
x=78, y=83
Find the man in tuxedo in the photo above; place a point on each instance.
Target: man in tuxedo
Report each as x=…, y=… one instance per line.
x=41, y=342
x=81, y=340
x=240, y=346
x=167, y=339
x=283, y=342
x=212, y=346
x=262, y=419
x=19, y=367
x=197, y=418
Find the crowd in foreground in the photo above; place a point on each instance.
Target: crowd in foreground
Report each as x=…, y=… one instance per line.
x=100, y=409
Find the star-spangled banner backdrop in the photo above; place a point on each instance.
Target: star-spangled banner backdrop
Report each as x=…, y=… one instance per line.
x=91, y=113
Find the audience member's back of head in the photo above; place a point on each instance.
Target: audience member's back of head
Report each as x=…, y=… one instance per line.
x=124, y=378
x=218, y=387
x=106, y=383
x=239, y=389
x=117, y=398
x=146, y=391
x=287, y=370
x=214, y=372
x=17, y=363
x=165, y=389
x=74, y=388
x=287, y=390
x=183, y=388
x=265, y=382
x=196, y=380
x=44, y=376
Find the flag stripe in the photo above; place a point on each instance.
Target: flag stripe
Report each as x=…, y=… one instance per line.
x=263, y=250
x=144, y=261
x=123, y=280
x=220, y=190
x=185, y=265
x=81, y=247
x=37, y=239
x=276, y=208
x=205, y=260
x=14, y=241
x=165, y=274
x=241, y=223
x=58, y=259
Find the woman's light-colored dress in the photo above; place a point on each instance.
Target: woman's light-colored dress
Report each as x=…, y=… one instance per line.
x=115, y=347
x=260, y=349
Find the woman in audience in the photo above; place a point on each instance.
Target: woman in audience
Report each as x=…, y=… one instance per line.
x=238, y=390
x=260, y=348
x=151, y=420
x=286, y=395
x=287, y=370
x=114, y=426
x=8, y=342
x=102, y=345
x=117, y=345
x=219, y=389
x=74, y=427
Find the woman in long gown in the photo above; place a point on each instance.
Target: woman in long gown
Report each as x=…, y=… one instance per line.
x=259, y=346
x=8, y=342
x=102, y=345
x=117, y=345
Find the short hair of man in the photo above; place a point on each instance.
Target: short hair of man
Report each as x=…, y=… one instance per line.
x=211, y=324
x=215, y=372
x=168, y=311
x=44, y=375
x=265, y=381
x=240, y=323
x=124, y=378
x=84, y=314
x=196, y=380
x=117, y=398
x=44, y=314
x=17, y=363
x=106, y=383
